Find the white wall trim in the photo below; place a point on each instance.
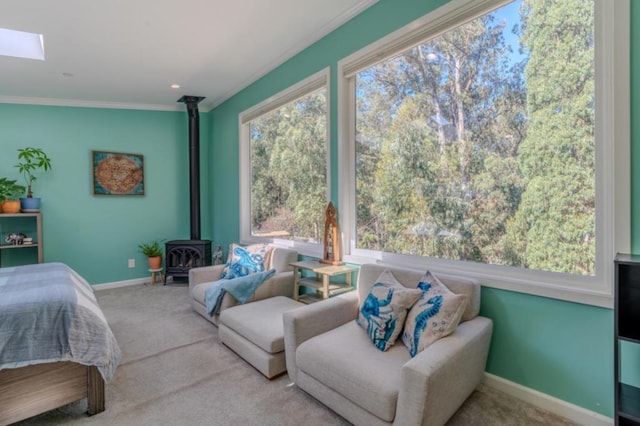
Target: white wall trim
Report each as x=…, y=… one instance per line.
x=88, y=104
x=546, y=402
x=118, y=284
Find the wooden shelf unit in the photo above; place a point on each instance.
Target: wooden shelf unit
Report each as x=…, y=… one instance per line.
x=626, y=329
x=37, y=243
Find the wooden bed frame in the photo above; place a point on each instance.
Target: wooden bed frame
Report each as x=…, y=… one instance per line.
x=34, y=389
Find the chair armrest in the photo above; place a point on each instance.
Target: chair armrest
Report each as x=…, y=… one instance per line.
x=204, y=274
x=439, y=379
x=305, y=322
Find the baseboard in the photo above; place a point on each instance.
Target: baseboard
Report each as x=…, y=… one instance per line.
x=557, y=406
x=127, y=283
x=117, y=284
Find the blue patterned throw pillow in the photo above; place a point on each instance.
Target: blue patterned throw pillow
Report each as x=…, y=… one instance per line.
x=384, y=310
x=245, y=260
x=436, y=314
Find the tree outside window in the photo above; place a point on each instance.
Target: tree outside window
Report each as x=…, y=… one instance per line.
x=288, y=154
x=479, y=144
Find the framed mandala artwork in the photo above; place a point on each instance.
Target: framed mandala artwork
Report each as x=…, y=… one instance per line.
x=117, y=173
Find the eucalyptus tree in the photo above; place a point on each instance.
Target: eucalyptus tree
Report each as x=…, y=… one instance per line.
x=436, y=122
x=554, y=228
x=289, y=162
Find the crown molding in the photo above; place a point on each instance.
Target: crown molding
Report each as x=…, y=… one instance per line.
x=86, y=104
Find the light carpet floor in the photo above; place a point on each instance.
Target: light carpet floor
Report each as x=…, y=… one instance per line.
x=175, y=371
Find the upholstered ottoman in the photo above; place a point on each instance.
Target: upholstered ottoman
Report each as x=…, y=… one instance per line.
x=255, y=332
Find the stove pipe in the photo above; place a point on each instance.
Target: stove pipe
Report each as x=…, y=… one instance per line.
x=194, y=162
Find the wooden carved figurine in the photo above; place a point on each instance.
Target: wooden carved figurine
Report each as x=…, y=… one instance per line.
x=332, y=253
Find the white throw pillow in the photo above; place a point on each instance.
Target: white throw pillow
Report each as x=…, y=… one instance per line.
x=436, y=314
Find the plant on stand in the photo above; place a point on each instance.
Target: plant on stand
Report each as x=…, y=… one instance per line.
x=9, y=193
x=31, y=160
x=153, y=251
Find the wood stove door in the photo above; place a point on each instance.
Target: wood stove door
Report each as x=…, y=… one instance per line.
x=181, y=259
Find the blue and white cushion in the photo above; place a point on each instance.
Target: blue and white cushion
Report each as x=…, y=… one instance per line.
x=245, y=260
x=384, y=310
x=436, y=314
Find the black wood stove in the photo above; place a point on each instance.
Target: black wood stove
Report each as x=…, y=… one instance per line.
x=182, y=255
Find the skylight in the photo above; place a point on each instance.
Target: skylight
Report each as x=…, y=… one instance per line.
x=20, y=44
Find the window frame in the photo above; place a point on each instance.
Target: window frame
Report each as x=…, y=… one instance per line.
x=311, y=84
x=612, y=132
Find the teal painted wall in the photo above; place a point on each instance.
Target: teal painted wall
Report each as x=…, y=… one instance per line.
x=97, y=235
x=559, y=348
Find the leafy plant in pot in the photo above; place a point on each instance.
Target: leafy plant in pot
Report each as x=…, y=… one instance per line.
x=9, y=193
x=153, y=251
x=31, y=160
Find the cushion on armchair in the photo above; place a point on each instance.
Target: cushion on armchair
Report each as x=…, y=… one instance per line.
x=383, y=311
x=246, y=260
x=436, y=314
x=241, y=288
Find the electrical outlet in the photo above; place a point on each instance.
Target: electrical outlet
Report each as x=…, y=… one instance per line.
x=132, y=263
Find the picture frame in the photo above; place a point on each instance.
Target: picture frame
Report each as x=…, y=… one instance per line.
x=117, y=173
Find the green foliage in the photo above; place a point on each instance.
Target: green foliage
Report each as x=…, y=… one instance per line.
x=152, y=249
x=556, y=220
x=288, y=162
x=29, y=161
x=9, y=189
x=462, y=153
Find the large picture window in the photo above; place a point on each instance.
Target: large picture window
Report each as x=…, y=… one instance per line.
x=484, y=142
x=286, y=146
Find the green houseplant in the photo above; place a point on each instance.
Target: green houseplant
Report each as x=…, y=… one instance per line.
x=9, y=193
x=31, y=160
x=153, y=251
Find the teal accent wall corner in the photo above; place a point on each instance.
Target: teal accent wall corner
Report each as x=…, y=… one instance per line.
x=96, y=235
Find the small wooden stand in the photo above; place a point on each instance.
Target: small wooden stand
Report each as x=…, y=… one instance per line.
x=332, y=253
x=157, y=275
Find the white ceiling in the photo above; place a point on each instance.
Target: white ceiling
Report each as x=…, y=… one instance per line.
x=127, y=53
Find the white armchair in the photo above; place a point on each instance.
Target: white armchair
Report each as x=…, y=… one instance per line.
x=330, y=357
x=280, y=284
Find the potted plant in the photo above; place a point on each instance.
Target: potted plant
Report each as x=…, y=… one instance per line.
x=153, y=251
x=31, y=160
x=9, y=193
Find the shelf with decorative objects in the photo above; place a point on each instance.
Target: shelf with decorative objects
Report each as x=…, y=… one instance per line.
x=20, y=234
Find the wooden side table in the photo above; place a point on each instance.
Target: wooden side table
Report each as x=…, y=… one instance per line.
x=322, y=281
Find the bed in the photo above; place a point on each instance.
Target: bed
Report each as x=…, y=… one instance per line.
x=55, y=344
